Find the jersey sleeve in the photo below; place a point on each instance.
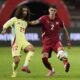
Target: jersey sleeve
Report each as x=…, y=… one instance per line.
x=9, y=23
x=41, y=19
x=61, y=24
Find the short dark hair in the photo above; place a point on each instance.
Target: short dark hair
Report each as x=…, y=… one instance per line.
x=53, y=6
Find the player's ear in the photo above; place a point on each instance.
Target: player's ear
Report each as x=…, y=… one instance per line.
x=56, y=11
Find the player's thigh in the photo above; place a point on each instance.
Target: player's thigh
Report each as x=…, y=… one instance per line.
x=46, y=48
x=58, y=46
x=16, y=48
x=27, y=46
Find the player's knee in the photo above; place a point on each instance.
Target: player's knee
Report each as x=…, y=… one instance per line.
x=16, y=60
x=31, y=48
x=44, y=55
x=61, y=55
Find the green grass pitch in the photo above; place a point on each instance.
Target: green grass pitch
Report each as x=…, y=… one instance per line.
x=38, y=70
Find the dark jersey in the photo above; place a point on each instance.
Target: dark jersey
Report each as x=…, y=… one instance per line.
x=51, y=28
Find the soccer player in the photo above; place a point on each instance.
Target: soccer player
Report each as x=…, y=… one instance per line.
x=51, y=26
x=18, y=25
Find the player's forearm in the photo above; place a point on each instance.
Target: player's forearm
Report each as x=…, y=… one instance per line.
x=67, y=35
x=35, y=22
x=6, y=25
x=3, y=31
x=68, y=39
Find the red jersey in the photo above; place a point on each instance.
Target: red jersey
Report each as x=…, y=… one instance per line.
x=51, y=28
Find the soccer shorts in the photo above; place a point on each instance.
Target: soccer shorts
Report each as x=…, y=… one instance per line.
x=51, y=46
x=17, y=47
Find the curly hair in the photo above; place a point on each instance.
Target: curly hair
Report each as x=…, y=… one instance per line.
x=19, y=13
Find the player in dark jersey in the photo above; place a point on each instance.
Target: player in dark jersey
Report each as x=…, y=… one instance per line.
x=51, y=27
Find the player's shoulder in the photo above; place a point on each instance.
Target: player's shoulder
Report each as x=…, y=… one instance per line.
x=14, y=18
x=44, y=17
x=58, y=18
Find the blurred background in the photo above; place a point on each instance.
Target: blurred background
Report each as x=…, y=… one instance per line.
x=69, y=11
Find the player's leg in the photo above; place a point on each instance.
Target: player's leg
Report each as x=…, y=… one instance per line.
x=62, y=55
x=15, y=63
x=30, y=53
x=16, y=59
x=46, y=54
x=47, y=64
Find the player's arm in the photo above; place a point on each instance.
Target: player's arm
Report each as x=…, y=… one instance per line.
x=67, y=37
x=3, y=31
x=34, y=22
x=8, y=24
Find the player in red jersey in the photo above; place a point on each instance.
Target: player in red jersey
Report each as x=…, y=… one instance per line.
x=51, y=26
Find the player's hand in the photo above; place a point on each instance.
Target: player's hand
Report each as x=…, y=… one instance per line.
x=3, y=32
x=68, y=44
x=32, y=22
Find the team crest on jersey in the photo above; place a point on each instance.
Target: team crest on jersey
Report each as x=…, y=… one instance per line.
x=57, y=23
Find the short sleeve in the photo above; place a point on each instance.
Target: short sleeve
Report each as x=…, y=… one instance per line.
x=41, y=19
x=61, y=23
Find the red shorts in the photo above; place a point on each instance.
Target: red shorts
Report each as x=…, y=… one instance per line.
x=49, y=46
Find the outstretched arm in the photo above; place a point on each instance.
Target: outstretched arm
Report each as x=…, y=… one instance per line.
x=34, y=22
x=67, y=38
x=9, y=23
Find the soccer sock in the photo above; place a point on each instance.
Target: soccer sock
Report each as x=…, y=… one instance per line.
x=46, y=63
x=62, y=56
x=14, y=66
x=28, y=58
x=65, y=61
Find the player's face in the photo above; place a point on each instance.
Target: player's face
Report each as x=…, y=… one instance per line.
x=25, y=11
x=52, y=11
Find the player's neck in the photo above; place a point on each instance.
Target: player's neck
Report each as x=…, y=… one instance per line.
x=23, y=19
x=52, y=17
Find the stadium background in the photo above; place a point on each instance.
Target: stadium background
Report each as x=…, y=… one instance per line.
x=71, y=18
x=38, y=71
